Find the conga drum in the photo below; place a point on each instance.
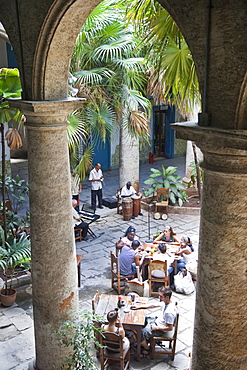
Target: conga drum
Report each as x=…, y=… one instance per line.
x=127, y=206
x=136, y=205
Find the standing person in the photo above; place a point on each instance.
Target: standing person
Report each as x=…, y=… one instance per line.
x=76, y=188
x=78, y=222
x=96, y=178
x=162, y=323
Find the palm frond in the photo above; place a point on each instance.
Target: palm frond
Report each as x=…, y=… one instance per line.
x=85, y=164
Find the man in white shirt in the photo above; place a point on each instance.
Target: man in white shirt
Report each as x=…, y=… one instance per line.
x=96, y=178
x=127, y=191
x=163, y=322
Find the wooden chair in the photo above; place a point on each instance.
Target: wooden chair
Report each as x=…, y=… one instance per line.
x=106, y=355
x=161, y=266
x=116, y=277
x=162, y=193
x=119, y=201
x=78, y=234
x=172, y=342
x=95, y=301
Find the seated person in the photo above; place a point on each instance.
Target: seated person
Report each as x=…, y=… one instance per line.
x=185, y=251
x=129, y=236
x=167, y=236
x=161, y=324
x=127, y=191
x=113, y=319
x=162, y=255
x=129, y=258
x=77, y=221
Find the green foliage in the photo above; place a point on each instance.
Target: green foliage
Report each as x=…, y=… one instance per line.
x=17, y=191
x=172, y=74
x=10, y=87
x=167, y=178
x=13, y=253
x=193, y=175
x=80, y=336
x=110, y=72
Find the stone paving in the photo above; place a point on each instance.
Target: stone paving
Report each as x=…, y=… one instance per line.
x=16, y=325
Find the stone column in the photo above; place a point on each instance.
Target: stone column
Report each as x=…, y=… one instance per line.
x=129, y=159
x=54, y=269
x=220, y=334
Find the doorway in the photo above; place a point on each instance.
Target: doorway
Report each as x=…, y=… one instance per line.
x=163, y=134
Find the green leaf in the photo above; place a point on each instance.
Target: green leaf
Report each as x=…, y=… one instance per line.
x=154, y=170
x=180, y=186
x=172, y=178
x=166, y=184
x=150, y=181
x=154, y=175
x=172, y=197
x=170, y=170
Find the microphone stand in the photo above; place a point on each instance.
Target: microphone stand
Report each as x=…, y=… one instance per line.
x=149, y=240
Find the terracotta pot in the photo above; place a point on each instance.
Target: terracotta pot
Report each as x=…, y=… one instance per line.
x=8, y=299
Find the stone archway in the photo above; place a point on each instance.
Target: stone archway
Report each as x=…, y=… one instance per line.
x=223, y=143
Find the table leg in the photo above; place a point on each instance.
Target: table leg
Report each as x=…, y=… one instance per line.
x=138, y=348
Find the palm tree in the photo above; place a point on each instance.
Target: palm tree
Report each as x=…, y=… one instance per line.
x=172, y=75
x=110, y=74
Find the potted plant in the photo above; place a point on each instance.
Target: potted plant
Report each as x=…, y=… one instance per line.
x=167, y=178
x=13, y=252
x=80, y=336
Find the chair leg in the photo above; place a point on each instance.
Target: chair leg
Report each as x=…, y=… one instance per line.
x=152, y=346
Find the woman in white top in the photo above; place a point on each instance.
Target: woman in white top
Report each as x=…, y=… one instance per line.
x=185, y=250
x=113, y=319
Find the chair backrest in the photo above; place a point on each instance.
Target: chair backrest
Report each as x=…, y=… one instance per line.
x=112, y=341
x=114, y=264
x=157, y=265
x=162, y=193
x=95, y=301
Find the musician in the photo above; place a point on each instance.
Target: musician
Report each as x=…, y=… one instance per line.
x=96, y=178
x=77, y=221
x=128, y=191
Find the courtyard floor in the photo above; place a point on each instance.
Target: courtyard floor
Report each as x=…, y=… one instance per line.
x=16, y=324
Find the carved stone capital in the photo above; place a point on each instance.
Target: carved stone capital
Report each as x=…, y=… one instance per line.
x=47, y=114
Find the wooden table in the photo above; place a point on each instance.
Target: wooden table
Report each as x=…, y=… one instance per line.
x=132, y=320
x=171, y=250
